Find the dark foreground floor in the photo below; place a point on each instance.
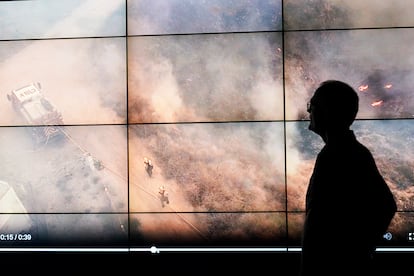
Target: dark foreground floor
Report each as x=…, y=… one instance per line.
x=392, y=264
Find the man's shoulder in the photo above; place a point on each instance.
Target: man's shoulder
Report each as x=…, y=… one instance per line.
x=362, y=149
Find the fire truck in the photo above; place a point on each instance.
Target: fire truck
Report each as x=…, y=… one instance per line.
x=38, y=112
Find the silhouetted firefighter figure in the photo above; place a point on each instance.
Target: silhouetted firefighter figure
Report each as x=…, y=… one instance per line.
x=148, y=166
x=163, y=196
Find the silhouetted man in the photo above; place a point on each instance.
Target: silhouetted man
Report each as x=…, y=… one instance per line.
x=348, y=204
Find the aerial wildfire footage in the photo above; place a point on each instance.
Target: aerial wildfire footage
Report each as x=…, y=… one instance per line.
x=149, y=130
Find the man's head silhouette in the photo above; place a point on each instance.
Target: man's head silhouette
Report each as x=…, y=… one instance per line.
x=332, y=108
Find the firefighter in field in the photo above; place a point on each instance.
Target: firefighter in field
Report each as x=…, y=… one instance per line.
x=148, y=166
x=163, y=194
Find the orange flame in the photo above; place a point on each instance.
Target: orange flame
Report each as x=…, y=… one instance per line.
x=377, y=103
x=363, y=87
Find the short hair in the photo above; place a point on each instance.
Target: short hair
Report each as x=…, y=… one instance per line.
x=338, y=100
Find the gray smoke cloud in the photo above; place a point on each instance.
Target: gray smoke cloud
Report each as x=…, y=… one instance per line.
x=205, y=78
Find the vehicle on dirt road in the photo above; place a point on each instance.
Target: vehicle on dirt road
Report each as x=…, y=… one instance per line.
x=39, y=113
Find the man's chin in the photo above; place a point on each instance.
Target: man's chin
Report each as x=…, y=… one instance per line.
x=313, y=129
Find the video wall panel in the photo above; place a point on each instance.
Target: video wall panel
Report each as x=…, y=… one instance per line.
x=205, y=78
x=215, y=16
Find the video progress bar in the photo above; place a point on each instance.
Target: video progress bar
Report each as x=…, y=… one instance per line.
x=157, y=250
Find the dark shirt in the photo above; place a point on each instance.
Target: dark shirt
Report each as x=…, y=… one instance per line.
x=348, y=208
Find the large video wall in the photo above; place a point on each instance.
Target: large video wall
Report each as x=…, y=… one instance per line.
x=129, y=124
